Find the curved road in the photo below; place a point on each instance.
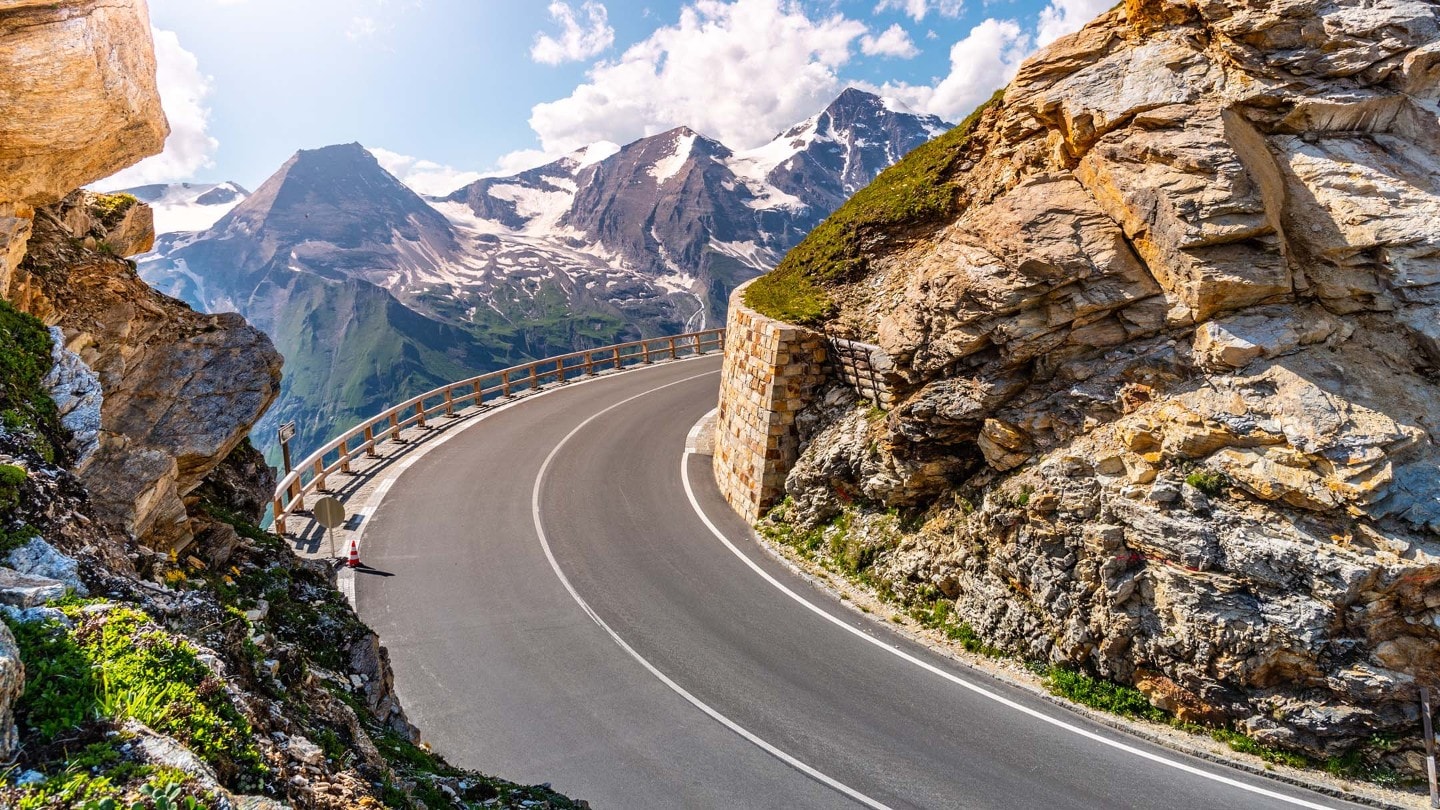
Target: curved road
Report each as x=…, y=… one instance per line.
x=558, y=611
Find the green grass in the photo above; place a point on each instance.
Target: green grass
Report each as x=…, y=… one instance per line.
x=25, y=404
x=1210, y=482
x=11, y=479
x=117, y=665
x=921, y=190
x=1097, y=693
x=1238, y=741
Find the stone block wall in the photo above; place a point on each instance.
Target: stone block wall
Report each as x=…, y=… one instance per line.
x=771, y=370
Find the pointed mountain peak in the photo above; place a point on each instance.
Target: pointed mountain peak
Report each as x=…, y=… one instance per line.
x=852, y=97
x=338, y=194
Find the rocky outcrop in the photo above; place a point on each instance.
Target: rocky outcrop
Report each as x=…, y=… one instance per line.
x=1178, y=344
x=80, y=103
x=12, y=683
x=180, y=389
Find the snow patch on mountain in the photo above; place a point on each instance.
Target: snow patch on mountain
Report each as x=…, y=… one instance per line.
x=668, y=167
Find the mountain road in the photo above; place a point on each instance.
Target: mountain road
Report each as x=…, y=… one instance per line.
x=567, y=599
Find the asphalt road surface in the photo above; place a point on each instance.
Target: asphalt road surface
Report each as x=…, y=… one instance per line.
x=557, y=610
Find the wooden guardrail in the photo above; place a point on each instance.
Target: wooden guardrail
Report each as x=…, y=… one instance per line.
x=364, y=439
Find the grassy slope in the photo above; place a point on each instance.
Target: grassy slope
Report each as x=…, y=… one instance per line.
x=921, y=190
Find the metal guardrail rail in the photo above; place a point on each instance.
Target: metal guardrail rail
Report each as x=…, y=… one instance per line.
x=481, y=391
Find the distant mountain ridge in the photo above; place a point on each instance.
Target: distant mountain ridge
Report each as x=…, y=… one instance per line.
x=377, y=293
x=189, y=206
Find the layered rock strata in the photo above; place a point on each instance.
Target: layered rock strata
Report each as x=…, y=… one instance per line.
x=1177, y=348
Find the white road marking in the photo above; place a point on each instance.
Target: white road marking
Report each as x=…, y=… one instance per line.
x=973, y=687
x=372, y=504
x=662, y=677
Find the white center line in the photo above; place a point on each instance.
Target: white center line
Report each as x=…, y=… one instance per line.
x=662, y=677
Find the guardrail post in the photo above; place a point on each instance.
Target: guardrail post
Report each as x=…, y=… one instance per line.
x=699, y=347
x=345, y=455
x=534, y=378
x=420, y=413
x=560, y=371
x=394, y=427
x=370, y=442
x=617, y=358
x=645, y=351
x=449, y=402
x=297, y=495
x=279, y=517
x=589, y=364
x=320, y=475
x=505, y=383
x=673, y=355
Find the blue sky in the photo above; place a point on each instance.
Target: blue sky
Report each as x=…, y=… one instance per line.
x=445, y=89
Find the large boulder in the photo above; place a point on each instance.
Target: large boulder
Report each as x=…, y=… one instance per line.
x=80, y=102
x=180, y=389
x=12, y=685
x=78, y=92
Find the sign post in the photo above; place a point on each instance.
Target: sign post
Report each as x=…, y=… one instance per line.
x=285, y=434
x=1429, y=745
x=329, y=513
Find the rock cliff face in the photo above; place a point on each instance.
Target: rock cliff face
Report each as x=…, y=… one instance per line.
x=155, y=646
x=74, y=114
x=1162, y=326
x=179, y=390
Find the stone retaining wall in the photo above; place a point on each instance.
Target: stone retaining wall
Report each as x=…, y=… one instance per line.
x=771, y=369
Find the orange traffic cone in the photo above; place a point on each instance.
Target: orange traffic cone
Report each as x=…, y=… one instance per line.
x=354, y=561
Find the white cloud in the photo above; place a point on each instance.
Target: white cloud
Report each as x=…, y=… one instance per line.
x=183, y=90
x=578, y=40
x=361, y=28
x=1062, y=17
x=423, y=176
x=917, y=9
x=894, y=41
x=521, y=160
x=985, y=60
x=780, y=66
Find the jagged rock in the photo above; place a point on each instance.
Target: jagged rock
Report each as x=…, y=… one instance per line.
x=1179, y=342
x=80, y=103
x=12, y=684
x=1232, y=343
x=78, y=396
x=305, y=751
x=79, y=95
x=1005, y=276
x=27, y=590
x=180, y=389
x=243, y=483
x=39, y=558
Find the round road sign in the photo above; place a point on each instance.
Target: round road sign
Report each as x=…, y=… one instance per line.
x=329, y=512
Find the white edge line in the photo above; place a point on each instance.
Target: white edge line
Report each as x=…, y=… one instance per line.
x=973, y=687
x=662, y=677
